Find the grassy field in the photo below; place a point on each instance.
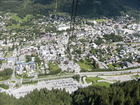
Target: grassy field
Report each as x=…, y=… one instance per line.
x=4, y=78
x=93, y=79
x=4, y=86
x=136, y=76
x=9, y=54
x=85, y=66
x=4, y=61
x=17, y=18
x=106, y=84
x=30, y=82
x=53, y=67
x=14, y=26
x=101, y=20
x=12, y=81
x=18, y=77
x=111, y=66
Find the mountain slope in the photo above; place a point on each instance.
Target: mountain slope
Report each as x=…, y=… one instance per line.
x=90, y=8
x=107, y=7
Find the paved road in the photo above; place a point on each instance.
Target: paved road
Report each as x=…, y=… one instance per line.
x=81, y=74
x=90, y=74
x=109, y=72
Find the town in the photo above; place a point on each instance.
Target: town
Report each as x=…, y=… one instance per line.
x=38, y=46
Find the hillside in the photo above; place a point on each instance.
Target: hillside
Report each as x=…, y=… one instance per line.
x=108, y=7
x=90, y=8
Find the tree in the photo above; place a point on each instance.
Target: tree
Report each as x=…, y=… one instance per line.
x=99, y=41
x=28, y=58
x=138, y=60
x=6, y=73
x=76, y=77
x=118, y=94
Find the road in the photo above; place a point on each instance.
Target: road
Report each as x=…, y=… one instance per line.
x=109, y=72
x=88, y=74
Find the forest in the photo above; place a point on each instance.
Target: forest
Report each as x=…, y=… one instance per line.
x=125, y=93
x=90, y=8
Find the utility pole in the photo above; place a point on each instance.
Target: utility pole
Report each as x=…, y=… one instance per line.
x=56, y=3
x=73, y=14
x=72, y=22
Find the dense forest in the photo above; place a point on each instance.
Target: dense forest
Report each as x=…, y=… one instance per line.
x=90, y=8
x=126, y=93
